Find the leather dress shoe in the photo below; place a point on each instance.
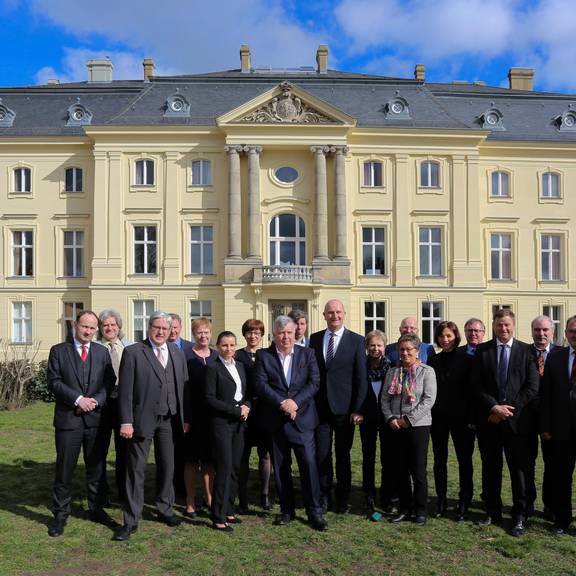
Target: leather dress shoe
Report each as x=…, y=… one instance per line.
x=440, y=508
x=101, y=517
x=370, y=504
x=171, y=521
x=284, y=518
x=233, y=520
x=343, y=508
x=125, y=532
x=488, y=520
x=56, y=527
x=519, y=529
x=190, y=515
x=222, y=527
x=319, y=523
x=420, y=520
x=326, y=503
x=265, y=502
x=462, y=513
x=559, y=529
x=402, y=517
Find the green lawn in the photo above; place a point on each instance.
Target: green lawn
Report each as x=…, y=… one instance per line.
x=353, y=545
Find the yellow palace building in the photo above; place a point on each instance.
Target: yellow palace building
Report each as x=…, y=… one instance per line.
x=248, y=192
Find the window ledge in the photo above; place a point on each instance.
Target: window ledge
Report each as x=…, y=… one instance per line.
x=143, y=275
x=20, y=277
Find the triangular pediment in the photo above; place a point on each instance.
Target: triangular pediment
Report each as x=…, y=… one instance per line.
x=289, y=105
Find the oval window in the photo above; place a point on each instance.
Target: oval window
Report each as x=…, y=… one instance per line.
x=286, y=174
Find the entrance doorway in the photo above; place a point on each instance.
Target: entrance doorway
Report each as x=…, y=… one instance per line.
x=282, y=307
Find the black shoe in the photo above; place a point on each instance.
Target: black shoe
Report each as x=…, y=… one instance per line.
x=190, y=515
x=284, y=518
x=326, y=503
x=420, y=520
x=223, y=528
x=560, y=529
x=342, y=508
x=319, y=523
x=265, y=502
x=125, y=532
x=171, y=521
x=243, y=509
x=402, y=517
x=548, y=514
x=101, y=517
x=462, y=513
x=519, y=529
x=488, y=520
x=440, y=508
x=370, y=504
x=56, y=527
x=233, y=520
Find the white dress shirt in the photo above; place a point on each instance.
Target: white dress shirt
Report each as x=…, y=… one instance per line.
x=286, y=361
x=337, y=338
x=233, y=371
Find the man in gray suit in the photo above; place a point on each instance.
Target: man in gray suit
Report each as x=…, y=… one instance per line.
x=152, y=378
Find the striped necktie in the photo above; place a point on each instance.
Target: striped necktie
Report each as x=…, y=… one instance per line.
x=330, y=349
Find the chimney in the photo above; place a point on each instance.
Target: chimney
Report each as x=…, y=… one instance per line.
x=322, y=59
x=149, y=68
x=420, y=72
x=521, y=78
x=53, y=81
x=100, y=70
x=245, y=60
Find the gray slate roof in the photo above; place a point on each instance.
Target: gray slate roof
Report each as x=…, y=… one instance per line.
x=527, y=116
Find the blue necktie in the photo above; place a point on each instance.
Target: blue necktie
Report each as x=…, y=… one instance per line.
x=502, y=374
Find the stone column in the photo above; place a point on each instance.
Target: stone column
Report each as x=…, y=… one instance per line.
x=254, y=245
x=340, y=193
x=234, y=204
x=402, y=270
x=172, y=253
x=321, y=198
x=100, y=217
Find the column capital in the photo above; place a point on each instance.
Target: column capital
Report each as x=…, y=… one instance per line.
x=343, y=150
x=252, y=149
x=233, y=149
x=320, y=149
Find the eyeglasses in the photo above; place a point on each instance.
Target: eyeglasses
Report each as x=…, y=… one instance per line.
x=475, y=330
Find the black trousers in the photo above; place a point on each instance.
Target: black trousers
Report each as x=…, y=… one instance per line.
x=547, y=478
x=561, y=470
x=68, y=446
x=339, y=428
x=409, y=460
x=227, y=448
x=463, y=438
x=493, y=440
x=303, y=443
x=371, y=430
x=137, y=453
x=253, y=436
x=111, y=426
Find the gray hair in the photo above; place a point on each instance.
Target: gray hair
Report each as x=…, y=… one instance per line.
x=297, y=314
x=175, y=316
x=543, y=318
x=375, y=334
x=471, y=321
x=281, y=322
x=159, y=315
x=412, y=338
x=109, y=313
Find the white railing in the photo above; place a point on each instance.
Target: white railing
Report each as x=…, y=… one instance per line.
x=287, y=273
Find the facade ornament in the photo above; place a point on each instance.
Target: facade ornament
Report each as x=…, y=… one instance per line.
x=287, y=108
x=79, y=115
x=6, y=116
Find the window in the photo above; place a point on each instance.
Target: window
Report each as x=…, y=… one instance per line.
x=144, y=173
x=73, y=253
x=74, y=180
x=22, y=322
x=200, y=309
x=496, y=307
x=500, y=185
x=201, y=173
x=22, y=253
x=429, y=175
x=22, y=180
x=286, y=174
x=374, y=316
x=142, y=311
x=287, y=240
x=372, y=174
x=431, y=317
x=373, y=251
x=550, y=185
x=430, y=243
x=551, y=257
x=555, y=314
x=201, y=250
x=71, y=310
x=500, y=256
x=145, y=250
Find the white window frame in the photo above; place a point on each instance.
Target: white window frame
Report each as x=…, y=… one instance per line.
x=26, y=253
x=75, y=189
x=547, y=187
x=428, y=181
x=22, y=184
x=552, y=255
x=556, y=313
x=76, y=251
x=146, y=174
x=430, y=248
x=277, y=240
x=502, y=254
x=374, y=321
x=371, y=180
x=203, y=244
x=69, y=319
x=429, y=321
x=141, y=317
x=200, y=309
x=201, y=172
x=372, y=245
x=146, y=244
x=22, y=322
x=503, y=180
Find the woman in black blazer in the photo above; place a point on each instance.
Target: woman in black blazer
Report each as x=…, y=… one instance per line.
x=226, y=398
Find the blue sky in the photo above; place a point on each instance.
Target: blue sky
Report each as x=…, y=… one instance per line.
x=455, y=39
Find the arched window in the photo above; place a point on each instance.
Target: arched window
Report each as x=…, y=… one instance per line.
x=287, y=240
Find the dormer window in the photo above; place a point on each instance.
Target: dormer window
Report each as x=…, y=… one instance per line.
x=397, y=109
x=79, y=115
x=566, y=122
x=6, y=116
x=177, y=106
x=492, y=119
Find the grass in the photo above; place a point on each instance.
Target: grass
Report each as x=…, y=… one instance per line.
x=353, y=545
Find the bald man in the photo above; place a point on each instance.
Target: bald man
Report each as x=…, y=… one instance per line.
x=409, y=325
x=343, y=384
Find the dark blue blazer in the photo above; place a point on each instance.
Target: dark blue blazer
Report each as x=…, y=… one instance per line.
x=271, y=387
x=186, y=347
x=391, y=352
x=343, y=383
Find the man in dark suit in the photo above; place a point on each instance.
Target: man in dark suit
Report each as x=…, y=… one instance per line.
x=408, y=325
x=343, y=383
x=542, y=336
x=558, y=425
x=152, y=378
x=286, y=378
x=505, y=381
x=81, y=376
x=174, y=336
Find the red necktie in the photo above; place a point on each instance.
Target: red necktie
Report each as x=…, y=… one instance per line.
x=541, y=362
x=84, y=353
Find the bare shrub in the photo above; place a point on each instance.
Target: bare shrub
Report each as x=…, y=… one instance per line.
x=17, y=371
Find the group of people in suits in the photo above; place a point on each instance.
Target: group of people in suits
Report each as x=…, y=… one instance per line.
x=306, y=396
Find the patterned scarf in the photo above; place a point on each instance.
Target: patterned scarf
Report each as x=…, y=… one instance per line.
x=404, y=381
x=376, y=374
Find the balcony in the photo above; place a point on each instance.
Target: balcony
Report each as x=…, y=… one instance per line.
x=288, y=273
